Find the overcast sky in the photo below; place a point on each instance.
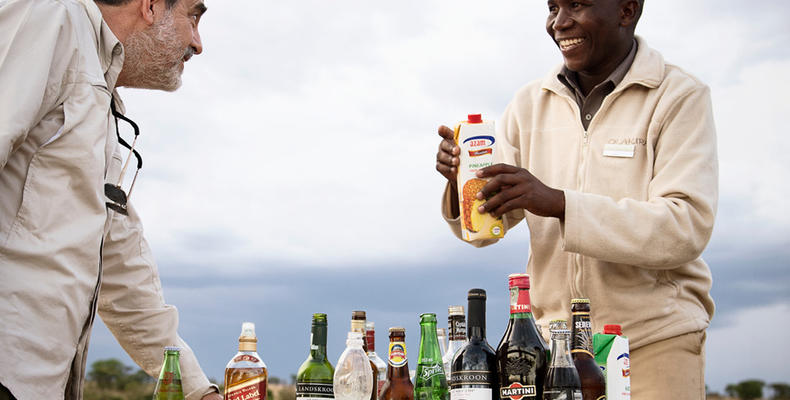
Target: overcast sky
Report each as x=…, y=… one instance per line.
x=294, y=171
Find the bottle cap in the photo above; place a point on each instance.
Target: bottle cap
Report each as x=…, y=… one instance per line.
x=370, y=326
x=518, y=280
x=172, y=348
x=427, y=317
x=455, y=310
x=319, y=318
x=398, y=330
x=580, y=301
x=441, y=332
x=613, y=329
x=474, y=118
x=358, y=315
x=476, y=294
x=248, y=332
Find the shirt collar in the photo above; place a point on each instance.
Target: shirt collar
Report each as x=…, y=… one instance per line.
x=110, y=50
x=570, y=78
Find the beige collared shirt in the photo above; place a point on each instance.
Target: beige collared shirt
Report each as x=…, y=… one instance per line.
x=63, y=255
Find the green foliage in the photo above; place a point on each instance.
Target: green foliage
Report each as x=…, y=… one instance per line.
x=111, y=380
x=780, y=390
x=286, y=393
x=746, y=390
x=108, y=374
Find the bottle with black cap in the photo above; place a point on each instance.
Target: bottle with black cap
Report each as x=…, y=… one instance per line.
x=473, y=371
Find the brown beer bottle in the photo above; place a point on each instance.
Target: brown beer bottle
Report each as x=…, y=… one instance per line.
x=398, y=385
x=358, y=319
x=593, y=383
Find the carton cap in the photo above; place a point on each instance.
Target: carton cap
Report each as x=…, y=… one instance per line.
x=474, y=118
x=613, y=329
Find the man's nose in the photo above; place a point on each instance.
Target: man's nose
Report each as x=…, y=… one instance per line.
x=562, y=21
x=196, y=44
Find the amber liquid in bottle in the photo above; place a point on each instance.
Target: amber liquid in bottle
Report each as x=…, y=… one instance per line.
x=246, y=375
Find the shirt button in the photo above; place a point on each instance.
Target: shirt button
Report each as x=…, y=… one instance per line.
x=117, y=50
x=588, y=117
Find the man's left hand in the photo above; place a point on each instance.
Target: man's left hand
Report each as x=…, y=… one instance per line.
x=512, y=188
x=212, y=396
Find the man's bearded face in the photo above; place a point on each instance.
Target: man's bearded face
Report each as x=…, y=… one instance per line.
x=155, y=56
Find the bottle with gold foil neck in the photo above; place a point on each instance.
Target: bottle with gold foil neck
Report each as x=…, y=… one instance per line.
x=246, y=375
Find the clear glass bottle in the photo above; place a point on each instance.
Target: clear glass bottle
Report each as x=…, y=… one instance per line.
x=168, y=387
x=353, y=379
x=358, y=320
x=314, y=379
x=473, y=372
x=521, y=354
x=381, y=366
x=430, y=380
x=441, y=335
x=246, y=375
x=562, y=380
x=456, y=325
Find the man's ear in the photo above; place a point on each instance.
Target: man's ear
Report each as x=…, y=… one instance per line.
x=149, y=8
x=629, y=13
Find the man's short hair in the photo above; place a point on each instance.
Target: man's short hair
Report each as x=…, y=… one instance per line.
x=168, y=3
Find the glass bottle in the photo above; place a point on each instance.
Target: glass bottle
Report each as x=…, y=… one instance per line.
x=246, y=375
x=553, y=326
x=592, y=380
x=521, y=355
x=314, y=379
x=430, y=381
x=358, y=320
x=168, y=387
x=398, y=384
x=441, y=335
x=353, y=379
x=381, y=366
x=473, y=371
x=562, y=380
x=456, y=325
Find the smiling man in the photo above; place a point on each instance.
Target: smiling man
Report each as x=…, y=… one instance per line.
x=611, y=159
x=71, y=244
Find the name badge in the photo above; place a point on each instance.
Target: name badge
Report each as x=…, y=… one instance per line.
x=619, y=150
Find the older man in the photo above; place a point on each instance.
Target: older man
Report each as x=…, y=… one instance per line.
x=70, y=241
x=611, y=159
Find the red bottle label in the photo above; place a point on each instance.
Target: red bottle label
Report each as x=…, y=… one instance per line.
x=519, y=301
x=246, y=357
x=253, y=389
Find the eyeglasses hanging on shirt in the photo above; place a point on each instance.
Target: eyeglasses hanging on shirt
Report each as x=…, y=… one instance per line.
x=119, y=198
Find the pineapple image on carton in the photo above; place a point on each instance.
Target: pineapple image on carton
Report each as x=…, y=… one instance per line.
x=476, y=139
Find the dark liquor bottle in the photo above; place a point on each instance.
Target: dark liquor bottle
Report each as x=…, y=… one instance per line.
x=473, y=371
x=314, y=379
x=521, y=355
x=358, y=320
x=398, y=385
x=168, y=387
x=562, y=380
x=593, y=383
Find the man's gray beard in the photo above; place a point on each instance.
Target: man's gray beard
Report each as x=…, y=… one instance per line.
x=153, y=57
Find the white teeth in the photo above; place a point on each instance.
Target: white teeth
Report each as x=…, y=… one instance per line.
x=567, y=43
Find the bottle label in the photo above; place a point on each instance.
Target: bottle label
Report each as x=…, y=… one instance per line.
x=246, y=357
x=519, y=301
x=397, y=354
x=516, y=391
x=314, y=391
x=582, y=333
x=470, y=394
x=462, y=378
x=458, y=329
x=562, y=394
x=429, y=371
x=253, y=389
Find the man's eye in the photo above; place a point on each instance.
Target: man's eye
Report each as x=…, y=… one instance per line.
x=552, y=9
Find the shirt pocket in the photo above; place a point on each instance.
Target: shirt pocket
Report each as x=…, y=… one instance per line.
x=620, y=164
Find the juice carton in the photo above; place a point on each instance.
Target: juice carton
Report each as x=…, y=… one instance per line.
x=476, y=139
x=611, y=354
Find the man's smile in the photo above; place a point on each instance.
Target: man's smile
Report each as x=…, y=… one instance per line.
x=571, y=43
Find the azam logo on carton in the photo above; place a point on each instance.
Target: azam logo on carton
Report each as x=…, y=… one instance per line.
x=480, y=145
x=516, y=391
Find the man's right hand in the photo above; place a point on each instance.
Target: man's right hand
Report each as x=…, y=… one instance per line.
x=447, y=162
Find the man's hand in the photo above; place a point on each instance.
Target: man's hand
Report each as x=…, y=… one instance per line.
x=512, y=188
x=212, y=396
x=447, y=162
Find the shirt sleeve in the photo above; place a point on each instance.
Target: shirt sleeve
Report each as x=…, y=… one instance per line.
x=506, y=151
x=35, y=41
x=132, y=306
x=675, y=223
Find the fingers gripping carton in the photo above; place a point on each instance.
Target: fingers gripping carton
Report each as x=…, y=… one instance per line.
x=612, y=355
x=476, y=139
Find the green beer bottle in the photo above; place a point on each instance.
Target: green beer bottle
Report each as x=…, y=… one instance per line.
x=430, y=381
x=168, y=387
x=314, y=379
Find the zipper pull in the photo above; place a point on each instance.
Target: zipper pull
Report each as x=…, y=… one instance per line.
x=586, y=137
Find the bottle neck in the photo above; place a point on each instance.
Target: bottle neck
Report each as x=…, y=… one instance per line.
x=429, y=343
x=477, y=319
x=397, y=361
x=457, y=328
x=248, y=344
x=560, y=352
x=171, y=368
x=370, y=341
x=520, y=305
x=581, y=333
x=318, y=342
x=358, y=325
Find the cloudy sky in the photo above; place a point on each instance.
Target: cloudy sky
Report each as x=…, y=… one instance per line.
x=294, y=171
